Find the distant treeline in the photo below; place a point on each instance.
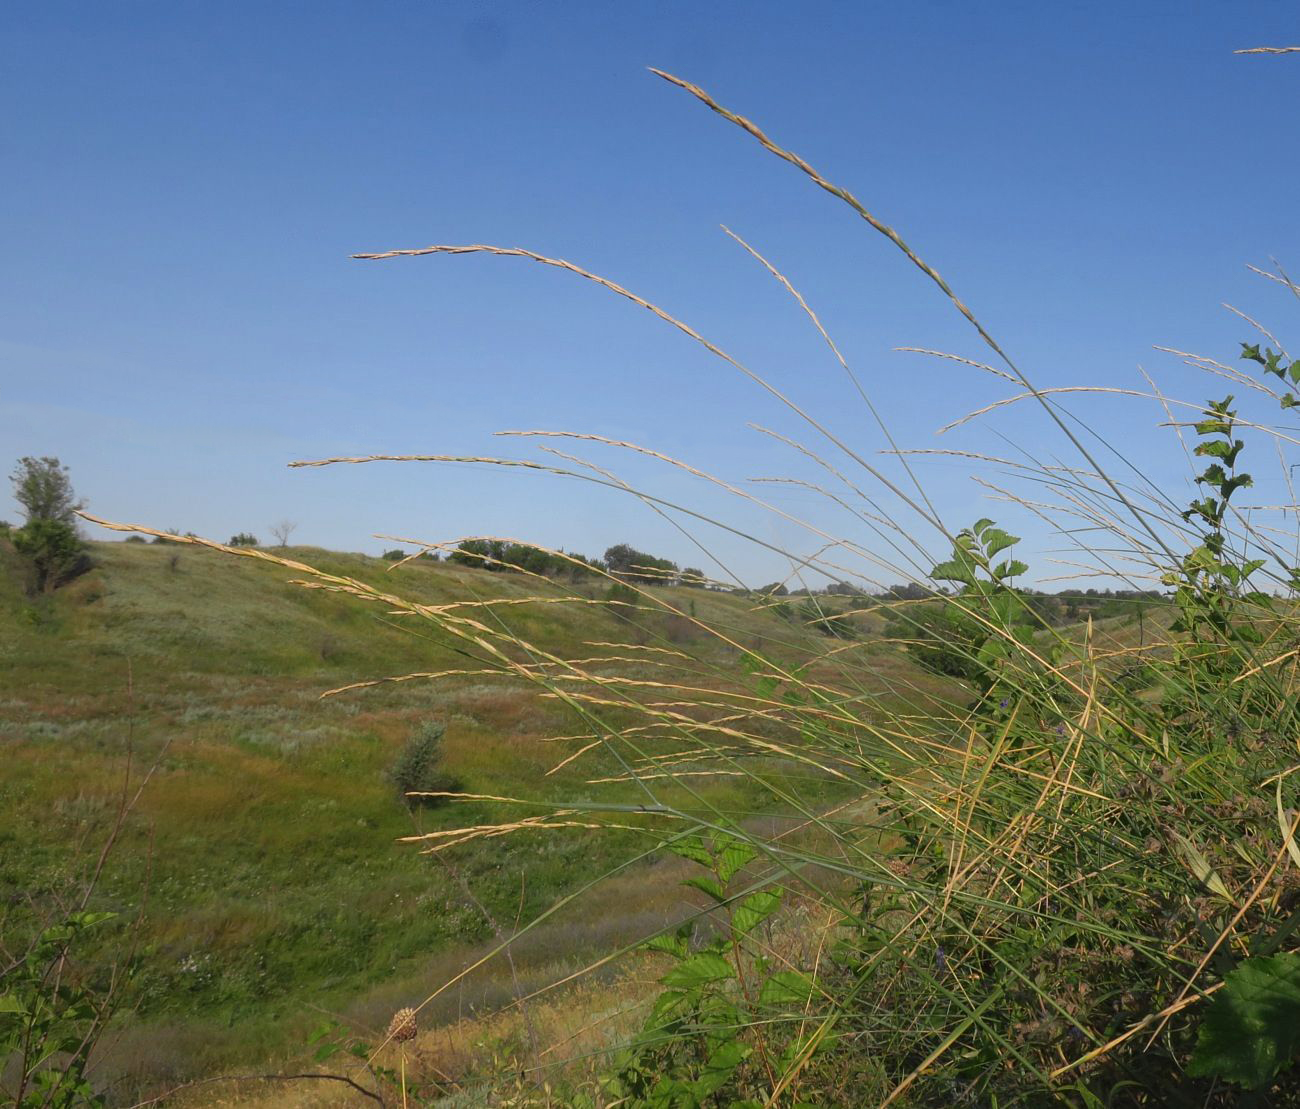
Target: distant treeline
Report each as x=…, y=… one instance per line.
x=621, y=561
x=628, y=564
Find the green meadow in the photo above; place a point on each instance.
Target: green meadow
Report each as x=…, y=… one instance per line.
x=258, y=880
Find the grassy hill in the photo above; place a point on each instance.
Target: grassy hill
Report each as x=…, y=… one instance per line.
x=262, y=853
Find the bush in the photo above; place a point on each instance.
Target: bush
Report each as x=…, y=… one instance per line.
x=54, y=552
x=419, y=767
x=242, y=539
x=395, y=555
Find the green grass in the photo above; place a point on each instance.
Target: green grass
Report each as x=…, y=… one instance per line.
x=263, y=852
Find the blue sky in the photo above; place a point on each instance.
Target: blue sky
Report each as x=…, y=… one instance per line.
x=185, y=183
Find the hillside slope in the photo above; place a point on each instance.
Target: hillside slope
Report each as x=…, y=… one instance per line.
x=262, y=853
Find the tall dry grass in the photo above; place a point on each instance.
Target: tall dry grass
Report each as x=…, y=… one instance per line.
x=1032, y=879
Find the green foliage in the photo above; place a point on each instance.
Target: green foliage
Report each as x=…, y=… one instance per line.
x=974, y=633
x=500, y=556
x=242, y=539
x=636, y=566
x=418, y=768
x=48, y=541
x=1251, y=1029
x=44, y=488
x=54, y=552
x=721, y=1025
x=49, y=1023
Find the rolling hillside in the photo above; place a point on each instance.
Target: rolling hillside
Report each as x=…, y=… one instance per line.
x=262, y=853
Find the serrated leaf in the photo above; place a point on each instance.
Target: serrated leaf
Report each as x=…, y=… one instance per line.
x=690, y=847
x=1012, y=568
x=979, y=525
x=786, y=987
x=751, y=912
x=721, y=1065
x=664, y=1009
x=699, y=970
x=670, y=945
x=1251, y=1029
x=995, y=540
x=732, y=857
x=706, y=884
x=953, y=571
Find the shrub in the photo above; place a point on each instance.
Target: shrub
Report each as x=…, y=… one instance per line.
x=419, y=767
x=395, y=555
x=242, y=539
x=44, y=489
x=54, y=552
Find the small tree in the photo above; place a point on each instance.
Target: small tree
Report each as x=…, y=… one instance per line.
x=242, y=539
x=419, y=767
x=48, y=540
x=44, y=489
x=54, y=551
x=283, y=530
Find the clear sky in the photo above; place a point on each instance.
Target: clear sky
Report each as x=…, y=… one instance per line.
x=185, y=182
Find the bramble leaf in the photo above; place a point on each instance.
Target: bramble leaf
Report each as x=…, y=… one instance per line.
x=751, y=912
x=786, y=987
x=1251, y=1029
x=699, y=970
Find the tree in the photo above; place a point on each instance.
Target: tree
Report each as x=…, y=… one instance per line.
x=44, y=489
x=54, y=552
x=694, y=578
x=283, y=530
x=242, y=539
x=48, y=540
x=637, y=566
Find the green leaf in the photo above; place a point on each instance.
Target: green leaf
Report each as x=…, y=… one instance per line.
x=665, y=1009
x=979, y=526
x=675, y=944
x=751, y=912
x=786, y=987
x=1251, y=1029
x=690, y=847
x=706, y=884
x=11, y=1004
x=1012, y=568
x=952, y=570
x=721, y=1065
x=995, y=540
x=699, y=970
x=732, y=857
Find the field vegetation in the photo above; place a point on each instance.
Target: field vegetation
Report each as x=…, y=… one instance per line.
x=956, y=843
